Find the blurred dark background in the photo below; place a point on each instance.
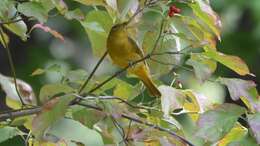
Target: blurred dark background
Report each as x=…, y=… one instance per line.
x=240, y=37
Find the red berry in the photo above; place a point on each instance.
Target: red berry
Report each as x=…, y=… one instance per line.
x=175, y=9
x=170, y=13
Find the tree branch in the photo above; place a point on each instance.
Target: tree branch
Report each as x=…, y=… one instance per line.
x=93, y=72
x=36, y=110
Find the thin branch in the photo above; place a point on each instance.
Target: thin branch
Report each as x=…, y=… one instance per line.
x=152, y=126
x=19, y=113
x=116, y=74
x=11, y=63
x=31, y=111
x=93, y=72
x=146, y=4
x=159, y=36
x=158, y=128
x=171, y=64
x=125, y=68
x=115, y=98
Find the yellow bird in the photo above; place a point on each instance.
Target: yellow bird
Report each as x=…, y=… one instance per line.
x=123, y=51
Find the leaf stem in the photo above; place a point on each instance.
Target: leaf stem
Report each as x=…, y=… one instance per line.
x=92, y=73
x=11, y=63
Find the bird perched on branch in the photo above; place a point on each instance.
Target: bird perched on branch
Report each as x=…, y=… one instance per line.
x=123, y=51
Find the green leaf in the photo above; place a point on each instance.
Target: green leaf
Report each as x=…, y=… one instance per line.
x=87, y=117
x=125, y=6
x=38, y=71
x=232, y=62
x=238, y=132
x=8, y=11
x=97, y=25
x=243, y=89
x=19, y=28
x=73, y=131
x=5, y=6
x=91, y=2
x=254, y=123
x=34, y=9
x=50, y=90
x=215, y=124
x=52, y=111
x=8, y=133
x=75, y=14
x=6, y=39
x=124, y=90
x=203, y=66
x=204, y=12
x=246, y=141
x=61, y=6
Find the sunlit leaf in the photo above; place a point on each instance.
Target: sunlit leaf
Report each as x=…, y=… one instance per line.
x=34, y=9
x=97, y=25
x=232, y=62
x=19, y=28
x=235, y=134
x=215, y=124
x=199, y=102
x=254, y=122
x=203, y=11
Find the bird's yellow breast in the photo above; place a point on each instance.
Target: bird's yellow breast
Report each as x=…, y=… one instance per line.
x=120, y=49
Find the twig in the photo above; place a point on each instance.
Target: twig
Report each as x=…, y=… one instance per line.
x=92, y=73
x=158, y=128
x=11, y=63
x=19, y=113
x=128, y=66
x=171, y=64
x=31, y=111
x=115, y=98
x=116, y=74
x=149, y=4
x=158, y=37
x=152, y=126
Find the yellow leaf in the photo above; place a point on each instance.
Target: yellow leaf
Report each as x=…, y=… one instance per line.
x=236, y=133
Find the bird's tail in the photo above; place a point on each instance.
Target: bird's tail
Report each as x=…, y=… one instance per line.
x=151, y=87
